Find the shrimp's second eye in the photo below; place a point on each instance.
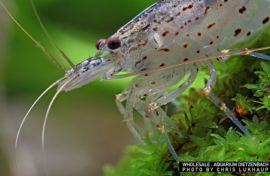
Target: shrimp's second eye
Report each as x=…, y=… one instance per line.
x=100, y=43
x=114, y=43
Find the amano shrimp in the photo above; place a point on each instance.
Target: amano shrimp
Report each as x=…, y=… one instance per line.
x=168, y=41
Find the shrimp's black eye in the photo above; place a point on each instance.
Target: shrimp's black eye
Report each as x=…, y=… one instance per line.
x=100, y=43
x=114, y=43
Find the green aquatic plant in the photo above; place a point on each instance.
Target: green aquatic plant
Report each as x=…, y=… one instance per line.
x=206, y=134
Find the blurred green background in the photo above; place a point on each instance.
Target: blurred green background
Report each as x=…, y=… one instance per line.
x=84, y=129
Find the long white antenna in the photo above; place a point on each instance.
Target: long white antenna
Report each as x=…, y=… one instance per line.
x=48, y=111
x=30, y=109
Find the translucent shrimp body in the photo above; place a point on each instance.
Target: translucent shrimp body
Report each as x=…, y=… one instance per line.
x=174, y=32
x=168, y=41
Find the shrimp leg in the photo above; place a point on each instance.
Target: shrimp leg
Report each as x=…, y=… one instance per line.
x=127, y=112
x=219, y=103
x=260, y=56
x=158, y=117
x=166, y=98
x=159, y=113
x=162, y=121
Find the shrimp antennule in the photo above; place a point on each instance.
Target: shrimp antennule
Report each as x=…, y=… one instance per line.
x=48, y=111
x=30, y=109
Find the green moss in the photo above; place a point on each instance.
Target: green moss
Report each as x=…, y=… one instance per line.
x=206, y=133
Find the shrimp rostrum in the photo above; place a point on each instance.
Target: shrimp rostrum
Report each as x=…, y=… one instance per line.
x=168, y=41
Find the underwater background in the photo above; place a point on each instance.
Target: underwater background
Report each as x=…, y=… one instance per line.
x=85, y=133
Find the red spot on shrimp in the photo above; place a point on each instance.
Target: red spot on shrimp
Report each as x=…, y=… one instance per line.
x=188, y=7
x=164, y=49
x=242, y=9
x=170, y=20
x=211, y=25
x=178, y=14
x=146, y=27
x=162, y=65
x=206, y=10
x=237, y=32
x=144, y=58
x=186, y=59
x=185, y=45
x=138, y=62
x=165, y=33
x=266, y=20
